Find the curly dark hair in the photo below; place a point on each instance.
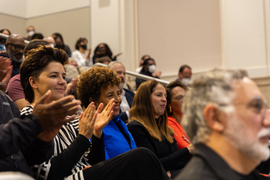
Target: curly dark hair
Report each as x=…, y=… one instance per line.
x=77, y=45
x=169, y=89
x=93, y=80
x=34, y=63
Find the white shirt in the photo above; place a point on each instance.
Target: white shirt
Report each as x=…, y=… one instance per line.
x=124, y=105
x=80, y=58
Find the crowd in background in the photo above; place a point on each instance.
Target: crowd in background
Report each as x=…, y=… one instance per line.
x=107, y=129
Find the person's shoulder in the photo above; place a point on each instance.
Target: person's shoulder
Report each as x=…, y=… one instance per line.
x=129, y=91
x=134, y=123
x=195, y=170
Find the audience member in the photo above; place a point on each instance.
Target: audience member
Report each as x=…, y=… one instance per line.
x=149, y=67
x=15, y=90
x=100, y=85
x=80, y=55
x=103, y=50
x=37, y=36
x=59, y=43
x=14, y=47
x=126, y=94
x=27, y=140
x=41, y=71
x=175, y=93
x=226, y=118
x=30, y=32
x=50, y=40
x=184, y=74
x=144, y=57
x=149, y=126
x=3, y=41
x=104, y=60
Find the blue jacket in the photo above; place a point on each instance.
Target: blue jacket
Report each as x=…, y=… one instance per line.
x=115, y=142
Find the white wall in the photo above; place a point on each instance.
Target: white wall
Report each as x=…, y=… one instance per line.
x=37, y=8
x=244, y=36
x=178, y=32
x=15, y=8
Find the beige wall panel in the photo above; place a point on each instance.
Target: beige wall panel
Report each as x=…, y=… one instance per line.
x=14, y=24
x=180, y=32
x=71, y=24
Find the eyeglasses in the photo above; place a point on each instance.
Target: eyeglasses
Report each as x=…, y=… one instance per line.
x=17, y=47
x=179, y=98
x=257, y=104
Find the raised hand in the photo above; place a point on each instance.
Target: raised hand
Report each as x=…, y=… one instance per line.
x=87, y=120
x=53, y=115
x=5, y=72
x=103, y=118
x=71, y=86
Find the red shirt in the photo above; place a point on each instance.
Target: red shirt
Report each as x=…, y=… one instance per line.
x=180, y=135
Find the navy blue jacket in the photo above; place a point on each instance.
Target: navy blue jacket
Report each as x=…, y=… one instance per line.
x=129, y=96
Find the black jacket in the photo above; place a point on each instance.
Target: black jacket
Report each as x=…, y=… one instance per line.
x=19, y=147
x=207, y=165
x=169, y=155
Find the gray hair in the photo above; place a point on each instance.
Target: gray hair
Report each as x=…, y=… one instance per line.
x=214, y=87
x=110, y=65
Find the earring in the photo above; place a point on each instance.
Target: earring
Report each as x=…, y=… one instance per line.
x=170, y=109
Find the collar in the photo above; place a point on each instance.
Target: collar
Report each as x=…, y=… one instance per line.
x=123, y=92
x=116, y=118
x=217, y=165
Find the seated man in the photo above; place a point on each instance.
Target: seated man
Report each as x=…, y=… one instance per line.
x=225, y=116
x=184, y=74
x=126, y=94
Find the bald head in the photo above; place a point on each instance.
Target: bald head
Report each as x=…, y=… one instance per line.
x=15, y=45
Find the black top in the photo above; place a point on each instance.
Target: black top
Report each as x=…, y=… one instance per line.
x=206, y=164
x=170, y=157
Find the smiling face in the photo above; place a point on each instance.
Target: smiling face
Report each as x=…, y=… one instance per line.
x=51, y=78
x=109, y=93
x=158, y=99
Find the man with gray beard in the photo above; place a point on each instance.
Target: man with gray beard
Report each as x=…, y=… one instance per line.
x=14, y=48
x=126, y=94
x=226, y=118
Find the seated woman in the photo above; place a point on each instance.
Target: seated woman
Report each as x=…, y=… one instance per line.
x=79, y=55
x=42, y=72
x=100, y=85
x=175, y=94
x=149, y=126
x=104, y=50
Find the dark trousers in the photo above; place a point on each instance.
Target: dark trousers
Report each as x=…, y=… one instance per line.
x=139, y=164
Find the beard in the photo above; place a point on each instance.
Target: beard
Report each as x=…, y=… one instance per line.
x=240, y=136
x=13, y=56
x=121, y=85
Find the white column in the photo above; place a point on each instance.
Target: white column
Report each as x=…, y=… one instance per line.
x=244, y=40
x=114, y=22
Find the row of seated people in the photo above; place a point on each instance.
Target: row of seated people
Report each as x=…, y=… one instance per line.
x=113, y=126
x=43, y=70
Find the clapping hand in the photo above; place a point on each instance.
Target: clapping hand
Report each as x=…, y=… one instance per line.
x=87, y=120
x=103, y=118
x=5, y=72
x=53, y=115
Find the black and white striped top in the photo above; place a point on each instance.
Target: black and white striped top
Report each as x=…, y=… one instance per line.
x=62, y=140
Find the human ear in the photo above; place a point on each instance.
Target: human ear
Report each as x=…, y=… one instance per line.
x=33, y=82
x=214, y=117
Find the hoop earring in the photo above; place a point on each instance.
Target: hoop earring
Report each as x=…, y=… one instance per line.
x=170, y=109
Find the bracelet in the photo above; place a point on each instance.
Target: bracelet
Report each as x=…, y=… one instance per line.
x=2, y=84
